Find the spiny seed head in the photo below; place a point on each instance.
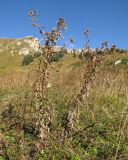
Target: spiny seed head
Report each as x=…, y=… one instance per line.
x=52, y=36
x=32, y=13
x=34, y=25
x=61, y=23
x=87, y=31
x=72, y=40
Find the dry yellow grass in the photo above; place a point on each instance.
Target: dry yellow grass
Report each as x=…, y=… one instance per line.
x=105, y=106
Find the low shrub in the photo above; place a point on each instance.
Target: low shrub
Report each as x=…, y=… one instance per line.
x=57, y=56
x=27, y=60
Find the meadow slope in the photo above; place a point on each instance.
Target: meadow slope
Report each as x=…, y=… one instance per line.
x=103, y=122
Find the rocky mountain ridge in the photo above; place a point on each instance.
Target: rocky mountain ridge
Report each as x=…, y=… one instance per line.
x=21, y=46
x=28, y=45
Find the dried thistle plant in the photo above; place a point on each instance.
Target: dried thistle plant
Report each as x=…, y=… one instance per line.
x=44, y=110
x=103, y=45
x=86, y=33
x=72, y=117
x=106, y=44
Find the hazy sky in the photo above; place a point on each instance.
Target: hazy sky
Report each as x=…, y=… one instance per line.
x=108, y=19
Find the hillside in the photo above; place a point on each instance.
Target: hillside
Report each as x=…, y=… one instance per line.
x=102, y=132
x=12, y=52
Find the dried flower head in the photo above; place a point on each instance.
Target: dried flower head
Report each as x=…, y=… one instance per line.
x=86, y=33
x=50, y=37
x=72, y=40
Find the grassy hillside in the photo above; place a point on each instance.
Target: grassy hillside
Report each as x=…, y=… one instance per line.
x=103, y=124
x=10, y=58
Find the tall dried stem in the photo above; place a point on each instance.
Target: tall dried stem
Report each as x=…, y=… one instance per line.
x=44, y=110
x=77, y=102
x=86, y=33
